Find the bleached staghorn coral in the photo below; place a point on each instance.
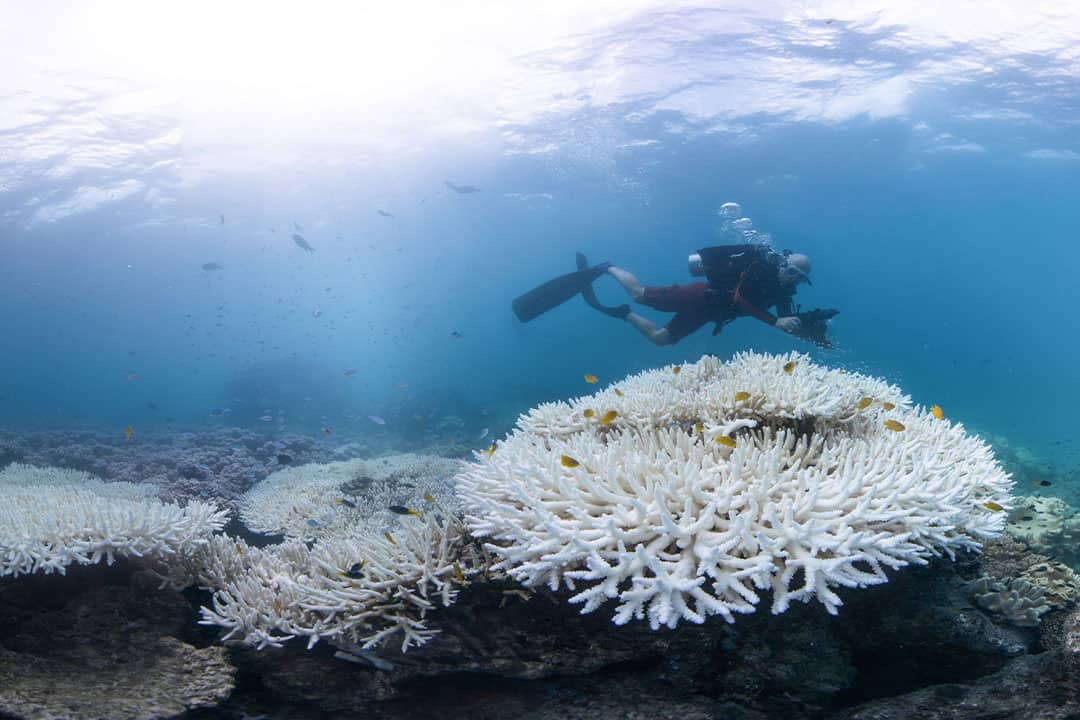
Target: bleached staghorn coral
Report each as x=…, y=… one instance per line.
x=356, y=577
x=316, y=500
x=651, y=511
x=355, y=589
x=51, y=518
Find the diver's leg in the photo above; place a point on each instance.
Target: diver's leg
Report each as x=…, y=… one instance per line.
x=656, y=335
x=629, y=282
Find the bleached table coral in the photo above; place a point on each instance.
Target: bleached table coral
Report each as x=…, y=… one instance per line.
x=685, y=492
x=51, y=518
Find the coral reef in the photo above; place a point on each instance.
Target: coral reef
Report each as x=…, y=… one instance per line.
x=79, y=648
x=217, y=465
x=1057, y=580
x=352, y=571
x=51, y=518
x=684, y=492
x=1047, y=525
x=1019, y=600
x=316, y=500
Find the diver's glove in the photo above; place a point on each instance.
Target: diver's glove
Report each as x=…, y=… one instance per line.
x=790, y=324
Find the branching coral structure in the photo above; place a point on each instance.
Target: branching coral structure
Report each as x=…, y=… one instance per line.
x=687, y=491
x=51, y=518
x=351, y=571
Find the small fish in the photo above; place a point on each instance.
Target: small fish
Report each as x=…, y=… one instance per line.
x=1042, y=483
x=789, y=366
x=376, y=419
x=456, y=333
x=699, y=428
x=887, y=406
x=327, y=431
x=211, y=266
x=133, y=376
x=312, y=522
x=742, y=395
x=618, y=392
x=385, y=214
x=676, y=369
x=588, y=412
x=483, y=434
x=608, y=417
x=223, y=218
x=284, y=459
x=591, y=379
x=217, y=412
x=402, y=510
x=865, y=403
x=490, y=450
x=128, y=432
x=991, y=505
x=568, y=462
x=350, y=372
x=463, y=189
x=936, y=411
x=458, y=574
x=389, y=538
x=428, y=497
x=725, y=441
x=302, y=243
x=317, y=313
x=267, y=418
x=239, y=549
x=355, y=571
x=894, y=425
x=346, y=502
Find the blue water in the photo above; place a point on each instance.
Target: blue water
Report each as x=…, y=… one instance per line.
x=930, y=170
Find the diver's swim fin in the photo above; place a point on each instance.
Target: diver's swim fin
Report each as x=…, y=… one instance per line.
x=589, y=294
x=555, y=292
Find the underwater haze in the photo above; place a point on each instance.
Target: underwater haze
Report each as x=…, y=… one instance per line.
x=157, y=165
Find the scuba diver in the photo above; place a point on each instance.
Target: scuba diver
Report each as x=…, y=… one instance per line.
x=742, y=280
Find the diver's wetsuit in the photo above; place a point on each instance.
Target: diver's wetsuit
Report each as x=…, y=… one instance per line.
x=755, y=289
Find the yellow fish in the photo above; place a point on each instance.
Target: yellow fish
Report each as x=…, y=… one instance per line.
x=894, y=425
x=935, y=410
x=865, y=403
x=725, y=441
x=991, y=505
x=589, y=412
x=618, y=392
x=490, y=450
x=609, y=416
x=458, y=574
x=676, y=369
x=590, y=378
x=128, y=432
x=568, y=462
x=389, y=538
x=429, y=498
x=699, y=428
x=789, y=366
x=887, y=406
x=742, y=395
